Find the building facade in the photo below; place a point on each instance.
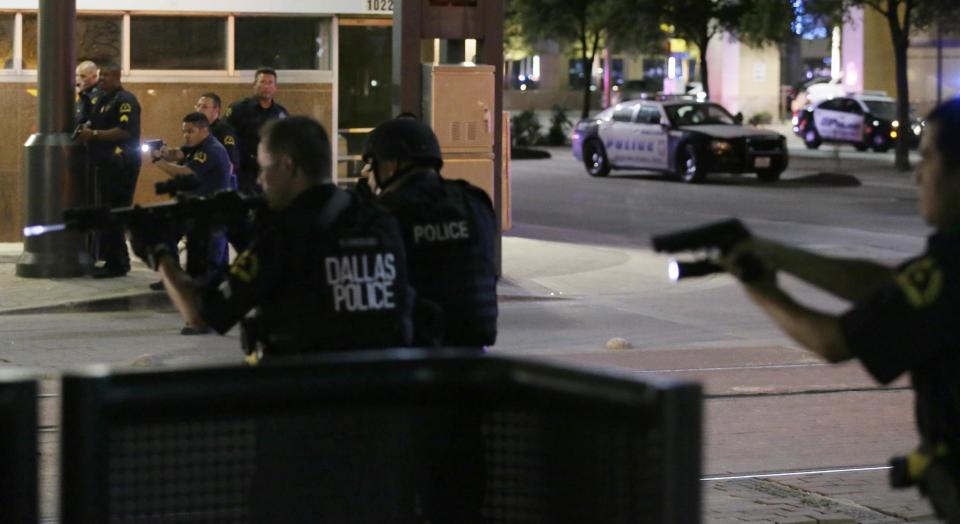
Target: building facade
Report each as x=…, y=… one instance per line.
x=332, y=57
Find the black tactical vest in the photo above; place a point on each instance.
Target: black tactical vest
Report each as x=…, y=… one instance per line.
x=450, y=231
x=345, y=284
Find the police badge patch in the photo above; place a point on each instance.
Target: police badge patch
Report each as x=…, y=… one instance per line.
x=921, y=282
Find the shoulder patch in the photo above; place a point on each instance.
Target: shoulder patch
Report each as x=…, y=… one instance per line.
x=229, y=111
x=118, y=150
x=200, y=156
x=921, y=282
x=126, y=107
x=94, y=100
x=246, y=267
x=229, y=140
x=124, y=118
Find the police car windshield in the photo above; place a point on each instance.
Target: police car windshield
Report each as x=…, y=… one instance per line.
x=882, y=109
x=698, y=114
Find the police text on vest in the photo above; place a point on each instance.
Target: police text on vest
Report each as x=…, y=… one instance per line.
x=440, y=232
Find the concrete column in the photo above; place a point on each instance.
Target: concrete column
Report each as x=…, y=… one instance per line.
x=54, y=172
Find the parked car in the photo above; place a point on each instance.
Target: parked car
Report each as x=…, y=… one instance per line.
x=865, y=121
x=687, y=138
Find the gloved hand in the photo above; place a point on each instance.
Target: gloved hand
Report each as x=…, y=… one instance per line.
x=150, y=242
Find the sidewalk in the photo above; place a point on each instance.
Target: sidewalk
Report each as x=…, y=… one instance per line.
x=543, y=281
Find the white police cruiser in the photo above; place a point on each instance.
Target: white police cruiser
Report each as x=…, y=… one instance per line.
x=865, y=121
x=684, y=137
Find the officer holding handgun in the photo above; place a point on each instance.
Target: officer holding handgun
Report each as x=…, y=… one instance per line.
x=904, y=319
x=113, y=141
x=204, y=157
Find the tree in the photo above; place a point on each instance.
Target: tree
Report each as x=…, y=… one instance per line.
x=755, y=22
x=903, y=18
x=587, y=24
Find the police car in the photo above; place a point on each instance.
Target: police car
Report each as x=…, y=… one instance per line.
x=684, y=137
x=865, y=121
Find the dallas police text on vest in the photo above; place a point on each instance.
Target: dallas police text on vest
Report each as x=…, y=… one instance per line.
x=441, y=232
x=361, y=282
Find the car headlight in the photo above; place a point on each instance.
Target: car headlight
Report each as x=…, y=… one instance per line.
x=895, y=124
x=720, y=147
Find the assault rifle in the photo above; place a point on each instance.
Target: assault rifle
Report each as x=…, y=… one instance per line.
x=717, y=238
x=224, y=208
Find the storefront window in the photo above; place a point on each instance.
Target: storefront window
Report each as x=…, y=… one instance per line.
x=6, y=41
x=178, y=42
x=282, y=43
x=98, y=39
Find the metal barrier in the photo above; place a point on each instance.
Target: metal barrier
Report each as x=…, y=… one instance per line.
x=398, y=436
x=18, y=447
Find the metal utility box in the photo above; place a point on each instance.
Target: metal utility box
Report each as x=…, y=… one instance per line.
x=458, y=103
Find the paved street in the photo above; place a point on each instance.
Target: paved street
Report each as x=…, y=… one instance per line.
x=788, y=438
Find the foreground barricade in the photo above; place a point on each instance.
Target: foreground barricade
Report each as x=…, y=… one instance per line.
x=18, y=447
x=399, y=436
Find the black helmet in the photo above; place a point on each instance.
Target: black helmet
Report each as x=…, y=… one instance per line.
x=404, y=139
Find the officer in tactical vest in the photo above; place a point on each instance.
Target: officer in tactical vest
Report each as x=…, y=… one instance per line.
x=449, y=228
x=324, y=270
x=903, y=319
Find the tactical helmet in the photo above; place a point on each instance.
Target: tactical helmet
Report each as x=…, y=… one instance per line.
x=404, y=139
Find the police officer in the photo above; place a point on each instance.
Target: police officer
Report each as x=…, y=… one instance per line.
x=449, y=228
x=904, y=319
x=113, y=142
x=87, y=76
x=247, y=117
x=325, y=271
x=209, y=105
x=204, y=157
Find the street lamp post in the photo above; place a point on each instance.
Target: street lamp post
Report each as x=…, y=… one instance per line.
x=54, y=174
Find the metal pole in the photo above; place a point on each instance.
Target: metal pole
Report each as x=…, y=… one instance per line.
x=54, y=173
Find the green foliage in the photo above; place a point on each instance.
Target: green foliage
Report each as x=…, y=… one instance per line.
x=559, y=124
x=761, y=118
x=586, y=25
x=526, y=129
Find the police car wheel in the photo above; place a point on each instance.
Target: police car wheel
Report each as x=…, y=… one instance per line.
x=861, y=146
x=689, y=168
x=595, y=159
x=812, y=139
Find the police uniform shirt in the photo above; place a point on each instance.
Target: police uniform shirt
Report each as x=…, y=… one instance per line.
x=328, y=295
x=118, y=109
x=84, y=104
x=208, y=160
x=247, y=117
x=912, y=326
x=228, y=137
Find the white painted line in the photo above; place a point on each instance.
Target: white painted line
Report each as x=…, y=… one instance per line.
x=796, y=473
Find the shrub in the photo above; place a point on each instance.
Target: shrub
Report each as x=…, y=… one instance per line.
x=559, y=124
x=761, y=118
x=526, y=129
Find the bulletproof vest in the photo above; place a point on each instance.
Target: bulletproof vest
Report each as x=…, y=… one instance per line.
x=345, y=285
x=449, y=229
